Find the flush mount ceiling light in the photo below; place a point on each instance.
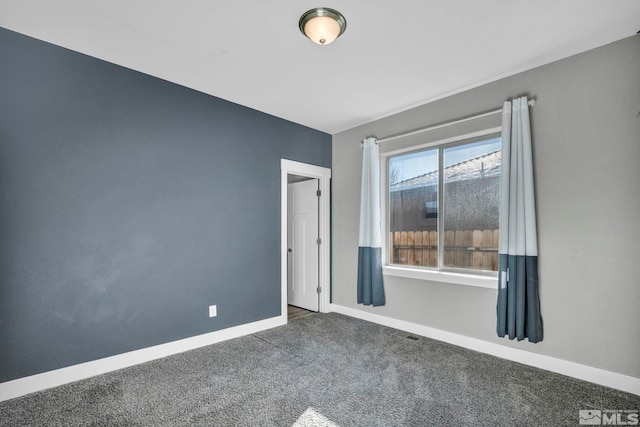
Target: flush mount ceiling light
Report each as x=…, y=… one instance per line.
x=322, y=25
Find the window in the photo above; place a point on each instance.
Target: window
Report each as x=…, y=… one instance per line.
x=443, y=206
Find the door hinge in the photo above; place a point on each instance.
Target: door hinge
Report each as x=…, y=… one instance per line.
x=319, y=289
x=318, y=193
x=318, y=241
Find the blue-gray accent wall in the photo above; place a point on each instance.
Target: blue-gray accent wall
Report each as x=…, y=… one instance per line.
x=128, y=205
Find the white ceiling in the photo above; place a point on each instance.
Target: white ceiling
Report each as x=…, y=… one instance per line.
x=393, y=55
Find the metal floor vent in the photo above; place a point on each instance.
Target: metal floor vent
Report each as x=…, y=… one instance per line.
x=411, y=337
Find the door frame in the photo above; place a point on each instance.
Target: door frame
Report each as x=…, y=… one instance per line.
x=290, y=167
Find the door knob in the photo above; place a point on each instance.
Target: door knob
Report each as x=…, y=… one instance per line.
x=289, y=250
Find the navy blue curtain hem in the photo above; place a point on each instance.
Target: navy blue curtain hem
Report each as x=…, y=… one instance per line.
x=518, y=306
x=370, y=282
x=531, y=339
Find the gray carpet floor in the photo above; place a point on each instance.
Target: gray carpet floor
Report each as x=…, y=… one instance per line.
x=325, y=370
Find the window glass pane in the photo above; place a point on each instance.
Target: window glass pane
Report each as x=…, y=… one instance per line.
x=413, y=208
x=470, y=197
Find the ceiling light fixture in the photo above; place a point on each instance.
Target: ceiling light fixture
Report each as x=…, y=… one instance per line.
x=322, y=25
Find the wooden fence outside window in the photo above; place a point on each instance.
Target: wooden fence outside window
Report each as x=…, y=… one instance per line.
x=476, y=249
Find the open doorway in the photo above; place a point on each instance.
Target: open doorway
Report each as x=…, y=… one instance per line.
x=303, y=237
x=305, y=240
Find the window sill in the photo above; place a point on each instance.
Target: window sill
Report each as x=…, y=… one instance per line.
x=489, y=282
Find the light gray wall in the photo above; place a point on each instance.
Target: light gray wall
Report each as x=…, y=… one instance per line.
x=128, y=205
x=586, y=134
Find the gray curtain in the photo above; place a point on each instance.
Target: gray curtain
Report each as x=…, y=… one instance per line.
x=370, y=283
x=518, y=298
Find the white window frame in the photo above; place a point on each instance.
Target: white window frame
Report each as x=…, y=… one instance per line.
x=468, y=278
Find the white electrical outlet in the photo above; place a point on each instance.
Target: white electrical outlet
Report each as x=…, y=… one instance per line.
x=213, y=311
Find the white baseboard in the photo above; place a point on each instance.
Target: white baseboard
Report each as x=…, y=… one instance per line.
x=33, y=383
x=583, y=372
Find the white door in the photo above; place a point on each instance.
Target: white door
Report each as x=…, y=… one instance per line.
x=302, y=244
